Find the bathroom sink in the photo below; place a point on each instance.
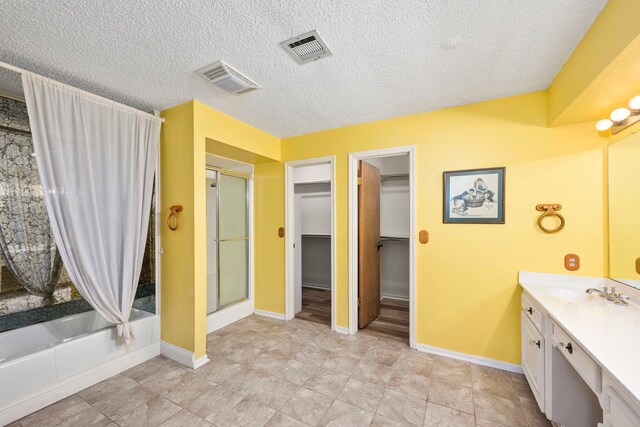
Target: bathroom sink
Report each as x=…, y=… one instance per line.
x=575, y=295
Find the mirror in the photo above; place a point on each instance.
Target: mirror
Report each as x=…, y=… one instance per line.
x=624, y=210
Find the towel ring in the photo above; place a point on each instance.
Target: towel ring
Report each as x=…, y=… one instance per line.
x=173, y=221
x=550, y=210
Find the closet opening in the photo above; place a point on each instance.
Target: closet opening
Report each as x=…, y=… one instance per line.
x=309, y=205
x=381, y=242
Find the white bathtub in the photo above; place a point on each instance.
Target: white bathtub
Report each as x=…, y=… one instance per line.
x=43, y=363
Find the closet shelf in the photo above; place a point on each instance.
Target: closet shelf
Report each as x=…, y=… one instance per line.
x=317, y=235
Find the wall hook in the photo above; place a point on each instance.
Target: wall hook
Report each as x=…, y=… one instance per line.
x=173, y=221
x=550, y=210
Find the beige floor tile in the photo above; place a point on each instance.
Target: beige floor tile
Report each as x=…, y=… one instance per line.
x=481, y=422
x=57, y=412
x=119, y=404
x=288, y=348
x=307, y=406
x=244, y=381
x=493, y=381
x=282, y=420
x=268, y=362
x=166, y=376
x=243, y=354
x=312, y=355
x=185, y=418
x=343, y=364
x=415, y=385
x=381, y=355
x=441, y=416
x=88, y=417
x=106, y=388
x=268, y=340
x=344, y=414
x=499, y=409
x=380, y=421
x=362, y=394
x=247, y=412
x=213, y=403
x=190, y=387
x=152, y=413
x=535, y=418
x=326, y=382
x=294, y=371
x=274, y=392
x=451, y=370
x=372, y=372
x=144, y=370
x=219, y=369
x=399, y=406
x=414, y=364
x=451, y=395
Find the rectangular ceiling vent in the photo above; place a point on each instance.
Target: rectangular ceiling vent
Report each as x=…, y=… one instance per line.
x=228, y=78
x=306, y=48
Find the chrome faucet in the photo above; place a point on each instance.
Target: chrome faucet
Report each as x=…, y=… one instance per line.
x=610, y=295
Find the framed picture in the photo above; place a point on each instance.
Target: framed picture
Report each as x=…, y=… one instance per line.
x=474, y=196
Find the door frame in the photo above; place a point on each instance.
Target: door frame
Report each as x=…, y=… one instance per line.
x=354, y=158
x=289, y=224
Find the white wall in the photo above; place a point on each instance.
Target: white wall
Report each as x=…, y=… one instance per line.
x=311, y=174
x=394, y=208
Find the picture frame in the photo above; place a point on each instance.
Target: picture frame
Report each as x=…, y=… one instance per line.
x=474, y=196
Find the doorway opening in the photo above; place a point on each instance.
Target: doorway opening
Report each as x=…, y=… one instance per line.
x=382, y=275
x=229, y=293
x=310, y=245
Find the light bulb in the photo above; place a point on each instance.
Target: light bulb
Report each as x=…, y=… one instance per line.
x=634, y=104
x=604, y=124
x=620, y=114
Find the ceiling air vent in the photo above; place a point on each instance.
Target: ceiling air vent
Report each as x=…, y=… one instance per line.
x=306, y=48
x=228, y=78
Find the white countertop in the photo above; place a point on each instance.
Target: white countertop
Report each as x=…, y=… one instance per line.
x=609, y=332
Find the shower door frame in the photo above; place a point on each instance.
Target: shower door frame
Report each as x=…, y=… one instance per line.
x=229, y=313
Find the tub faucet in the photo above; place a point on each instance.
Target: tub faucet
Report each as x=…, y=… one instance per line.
x=610, y=295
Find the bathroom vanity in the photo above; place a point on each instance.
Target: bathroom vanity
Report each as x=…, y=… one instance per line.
x=581, y=352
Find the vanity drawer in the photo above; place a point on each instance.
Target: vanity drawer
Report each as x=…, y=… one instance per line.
x=532, y=312
x=579, y=359
x=617, y=412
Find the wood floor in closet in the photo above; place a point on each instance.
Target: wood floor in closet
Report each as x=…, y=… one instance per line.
x=393, y=321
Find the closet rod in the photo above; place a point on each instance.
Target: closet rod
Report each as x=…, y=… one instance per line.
x=394, y=239
x=317, y=236
x=395, y=176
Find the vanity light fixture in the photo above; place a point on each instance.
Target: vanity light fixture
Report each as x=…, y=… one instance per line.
x=621, y=118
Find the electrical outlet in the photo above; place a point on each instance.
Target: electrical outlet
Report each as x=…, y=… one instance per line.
x=572, y=262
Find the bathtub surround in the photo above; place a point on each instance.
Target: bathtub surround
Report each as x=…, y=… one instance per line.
x=96, y=160
x=26, y=240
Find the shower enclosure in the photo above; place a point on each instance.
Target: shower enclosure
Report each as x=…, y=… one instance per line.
x=227, y=238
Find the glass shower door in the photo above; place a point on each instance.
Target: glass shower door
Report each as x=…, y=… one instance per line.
x=233, y=239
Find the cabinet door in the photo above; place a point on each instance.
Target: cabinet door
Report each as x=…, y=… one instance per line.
x=533, y=359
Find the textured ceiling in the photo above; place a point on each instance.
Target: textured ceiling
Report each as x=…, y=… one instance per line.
x=390, y=57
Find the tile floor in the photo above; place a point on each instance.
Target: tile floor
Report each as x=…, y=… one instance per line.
x=266, y=372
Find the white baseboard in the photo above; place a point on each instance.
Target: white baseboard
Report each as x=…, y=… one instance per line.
x=182, y=356
x=342, y=330
x=484, y=361
x=316, y=286
x=228, y=315
x=75, y=383
x=272, y=314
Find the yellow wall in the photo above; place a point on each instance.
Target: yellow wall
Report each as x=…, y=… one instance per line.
x=601, y=73
x=467, y=293
x=190, y=131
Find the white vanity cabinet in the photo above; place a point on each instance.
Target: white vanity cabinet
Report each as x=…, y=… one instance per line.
x=533, y=348
x=571, y=384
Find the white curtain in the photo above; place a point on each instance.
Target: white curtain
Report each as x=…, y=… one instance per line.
x=96, y=160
